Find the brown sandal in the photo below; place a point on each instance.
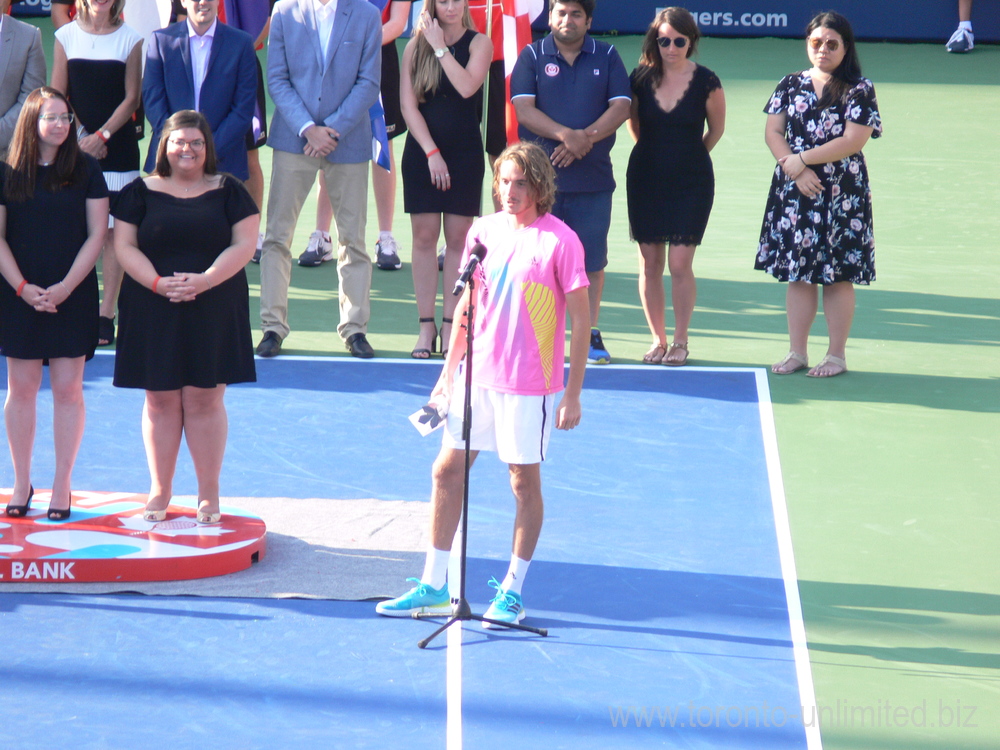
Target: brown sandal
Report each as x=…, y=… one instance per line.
x=683, y=346
x=655, y=355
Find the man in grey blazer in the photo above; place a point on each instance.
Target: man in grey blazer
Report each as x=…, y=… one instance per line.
x=323, y=72
x=22, y=70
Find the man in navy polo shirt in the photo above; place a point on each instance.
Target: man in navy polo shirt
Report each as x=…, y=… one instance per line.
x=571, y=93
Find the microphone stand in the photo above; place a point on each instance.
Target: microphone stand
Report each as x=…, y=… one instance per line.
x=461, y=611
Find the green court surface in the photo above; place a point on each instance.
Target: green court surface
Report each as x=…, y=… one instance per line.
x=891, y=472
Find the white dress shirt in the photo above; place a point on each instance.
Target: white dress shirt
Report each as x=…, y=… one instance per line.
x=324, y=20
x=201, y=48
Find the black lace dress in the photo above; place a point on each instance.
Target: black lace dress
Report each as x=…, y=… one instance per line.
x=670, y=181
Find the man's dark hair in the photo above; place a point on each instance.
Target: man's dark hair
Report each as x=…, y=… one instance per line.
x=586, y=5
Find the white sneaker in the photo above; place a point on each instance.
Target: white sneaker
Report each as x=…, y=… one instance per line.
x=318, y=251
x=387, y=254
x=961, y=41
x=260, y=248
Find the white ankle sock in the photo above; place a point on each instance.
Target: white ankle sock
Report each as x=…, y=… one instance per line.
x=515, y=574
x=436, y=567
x=967, y=25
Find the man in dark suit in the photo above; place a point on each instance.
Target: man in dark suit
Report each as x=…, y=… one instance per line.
x=208, y=66
x=323, y=71
x=22, y=70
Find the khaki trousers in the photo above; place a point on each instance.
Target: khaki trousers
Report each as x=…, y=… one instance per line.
x=292, y=177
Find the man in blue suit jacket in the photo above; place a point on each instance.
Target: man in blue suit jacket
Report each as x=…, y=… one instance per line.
x=323, y=72
x=205, y=65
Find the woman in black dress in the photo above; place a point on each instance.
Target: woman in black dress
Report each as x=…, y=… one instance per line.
x=53, y=220
x=817, y=228
x=678, y=115
x=444, y=66
x=184, y=235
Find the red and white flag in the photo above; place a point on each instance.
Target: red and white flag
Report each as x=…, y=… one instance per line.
x=510, y=33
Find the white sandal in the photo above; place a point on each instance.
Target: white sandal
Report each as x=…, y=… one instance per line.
x=829, y=359
x=780, y=368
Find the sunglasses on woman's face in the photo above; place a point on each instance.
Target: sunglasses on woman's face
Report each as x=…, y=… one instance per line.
x=664, y=41
x=831, y=45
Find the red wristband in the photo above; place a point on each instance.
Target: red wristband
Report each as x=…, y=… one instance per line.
x=20, y=287
x=155, y=282
x=432, y=152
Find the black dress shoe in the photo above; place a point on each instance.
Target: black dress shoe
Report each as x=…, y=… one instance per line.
x=270, y=345
x=359, y=347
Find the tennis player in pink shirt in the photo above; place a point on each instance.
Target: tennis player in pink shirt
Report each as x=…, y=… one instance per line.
x=532, y=274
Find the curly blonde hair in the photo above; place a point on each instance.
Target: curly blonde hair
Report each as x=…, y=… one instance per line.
x=531, y=159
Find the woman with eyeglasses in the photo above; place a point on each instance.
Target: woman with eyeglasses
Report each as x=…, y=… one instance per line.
x=678, y=115
x=817, y=228
x=184, y=235
x=53, y=221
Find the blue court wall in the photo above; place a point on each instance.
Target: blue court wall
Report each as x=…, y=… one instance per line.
x=923, y=20
x=918, y=20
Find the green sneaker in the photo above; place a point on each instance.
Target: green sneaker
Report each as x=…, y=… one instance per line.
x=421, y=598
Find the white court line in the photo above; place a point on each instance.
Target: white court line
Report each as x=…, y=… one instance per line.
x=454, y=687
x=800, y=649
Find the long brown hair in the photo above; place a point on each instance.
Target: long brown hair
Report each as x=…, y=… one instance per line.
x=650, y=62
x=425, y=68
x=848, y=73
x=185, y=118
x=23, y=153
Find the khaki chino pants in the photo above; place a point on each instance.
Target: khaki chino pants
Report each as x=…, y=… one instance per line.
x=292, y=177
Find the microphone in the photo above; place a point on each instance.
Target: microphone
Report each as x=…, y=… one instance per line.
x=475, y=258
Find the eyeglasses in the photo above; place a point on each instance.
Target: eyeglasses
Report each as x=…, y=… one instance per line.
x=65, y=117
x=196, y=145
x=831, y=45
x=664, y=41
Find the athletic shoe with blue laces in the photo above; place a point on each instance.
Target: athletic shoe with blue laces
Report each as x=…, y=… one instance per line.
x=598, y=355
x=505, y=607
x=420, y=599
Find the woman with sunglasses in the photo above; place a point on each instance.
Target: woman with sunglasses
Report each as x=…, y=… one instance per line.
x=53, y=221
x=678, y=115
x=817, y=228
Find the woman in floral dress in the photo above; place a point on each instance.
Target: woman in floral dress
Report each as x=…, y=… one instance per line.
x=817, y=228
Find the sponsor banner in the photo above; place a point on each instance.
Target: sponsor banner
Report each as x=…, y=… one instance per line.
x=922, y=20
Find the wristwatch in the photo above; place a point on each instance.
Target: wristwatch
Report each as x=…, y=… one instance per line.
x=104, y=135
x=439, y=53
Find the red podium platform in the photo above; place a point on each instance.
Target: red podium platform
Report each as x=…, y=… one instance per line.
x=105, y=540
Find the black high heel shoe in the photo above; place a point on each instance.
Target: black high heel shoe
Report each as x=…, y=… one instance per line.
x=60, y=514
x=426, y=353
x=20, y=511
x=444, y=343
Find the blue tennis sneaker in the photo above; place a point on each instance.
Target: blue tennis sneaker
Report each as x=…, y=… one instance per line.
x=421, y=598
x=598, y=354
x=505, y=607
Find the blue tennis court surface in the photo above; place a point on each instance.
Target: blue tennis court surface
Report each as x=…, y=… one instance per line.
x=661, y=574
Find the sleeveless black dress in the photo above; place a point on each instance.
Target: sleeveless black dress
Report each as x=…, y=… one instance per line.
x=453, y=122
x=45, y=234
x=164, y=345
x=670, y=182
